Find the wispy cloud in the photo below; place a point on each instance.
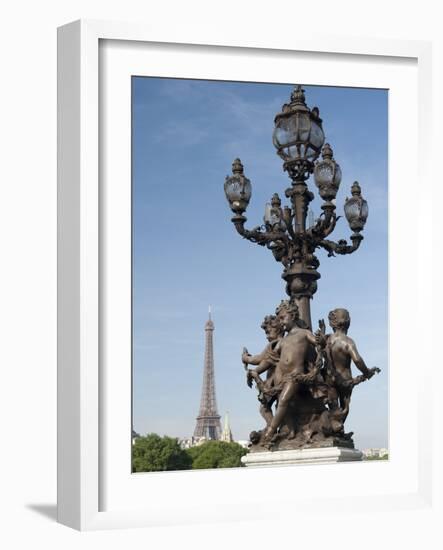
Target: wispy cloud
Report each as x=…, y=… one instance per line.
x=184, y=133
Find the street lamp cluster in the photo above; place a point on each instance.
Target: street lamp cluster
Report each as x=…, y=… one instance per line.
x=299, y=140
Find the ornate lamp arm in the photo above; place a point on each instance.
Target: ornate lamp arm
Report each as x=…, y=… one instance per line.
x=341, y=247
x=255, y=235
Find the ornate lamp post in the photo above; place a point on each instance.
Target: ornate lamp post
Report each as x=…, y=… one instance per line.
x=299, y=140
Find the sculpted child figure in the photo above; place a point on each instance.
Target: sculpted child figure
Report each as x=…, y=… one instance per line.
x=296, y=353
x=340, y=352
x=266, y=362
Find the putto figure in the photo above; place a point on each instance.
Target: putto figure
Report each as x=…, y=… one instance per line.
x=296, y=356
x=266, y=362
x=340, y=352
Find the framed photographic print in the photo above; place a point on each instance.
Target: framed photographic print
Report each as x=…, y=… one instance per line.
x=268, y=183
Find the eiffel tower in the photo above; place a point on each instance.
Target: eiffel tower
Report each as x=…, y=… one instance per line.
x=208, y=420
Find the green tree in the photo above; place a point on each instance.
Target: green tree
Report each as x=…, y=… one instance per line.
x=216, y=454
x=153, y=453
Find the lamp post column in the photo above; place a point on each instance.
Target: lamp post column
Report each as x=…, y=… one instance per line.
x=301, y=277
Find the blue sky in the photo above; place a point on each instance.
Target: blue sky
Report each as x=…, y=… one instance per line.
x=187, y=255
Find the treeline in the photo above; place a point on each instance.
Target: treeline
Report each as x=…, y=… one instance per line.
x=153, y=453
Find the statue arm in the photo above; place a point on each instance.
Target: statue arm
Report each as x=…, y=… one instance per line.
x=357, y=358
x=264, y=366
x=311, y=337
x=253, y=359
x=360, y=364
x=318, y=339
x=254, y=374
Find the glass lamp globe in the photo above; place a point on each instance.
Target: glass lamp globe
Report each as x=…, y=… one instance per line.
x=274, y=217
x=268, y=216
x=298, y=133
x=327, y=175
x=356, y=209
x=238, y=188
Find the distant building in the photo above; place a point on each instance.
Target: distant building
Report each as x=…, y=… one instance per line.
x=188, y=442
x=226, y=434
x=134, y=436
x=375, y=453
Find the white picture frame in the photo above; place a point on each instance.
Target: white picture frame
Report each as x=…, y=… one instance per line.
x=86, y=396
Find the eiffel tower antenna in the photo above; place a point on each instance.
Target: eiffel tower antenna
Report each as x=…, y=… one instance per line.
x=208, y=420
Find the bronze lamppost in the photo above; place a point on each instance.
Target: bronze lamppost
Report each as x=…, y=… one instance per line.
x=299, y=140
x=306, y=394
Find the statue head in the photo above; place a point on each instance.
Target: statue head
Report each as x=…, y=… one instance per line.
x=339, y=318
x=272, y=327
x=288, y=314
